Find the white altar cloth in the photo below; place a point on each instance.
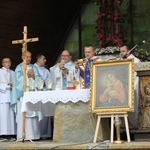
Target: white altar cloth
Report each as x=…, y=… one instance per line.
x=44, y=101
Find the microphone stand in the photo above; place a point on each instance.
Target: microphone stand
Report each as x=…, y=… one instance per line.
x=137, y=45
x=129, y=52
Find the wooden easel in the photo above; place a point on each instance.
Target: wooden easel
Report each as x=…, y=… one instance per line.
x=123, y=114
x=24, y=42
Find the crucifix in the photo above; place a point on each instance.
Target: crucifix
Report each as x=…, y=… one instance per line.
x=24, y=42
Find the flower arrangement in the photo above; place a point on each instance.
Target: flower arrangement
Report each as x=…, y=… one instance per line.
x=107, y=51
x=142, y=54
x=108, y=23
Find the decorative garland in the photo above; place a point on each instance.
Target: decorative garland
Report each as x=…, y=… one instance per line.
x=108, y=24
x=107, y=51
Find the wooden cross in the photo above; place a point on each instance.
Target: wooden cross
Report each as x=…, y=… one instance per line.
x=24, y=42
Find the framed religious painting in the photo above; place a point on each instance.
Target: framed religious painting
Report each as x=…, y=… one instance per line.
x=112, y=86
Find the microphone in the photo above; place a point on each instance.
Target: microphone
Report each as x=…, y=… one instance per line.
x=137, y=45
x=141, y=43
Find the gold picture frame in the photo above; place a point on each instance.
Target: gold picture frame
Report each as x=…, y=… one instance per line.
x=112, y=86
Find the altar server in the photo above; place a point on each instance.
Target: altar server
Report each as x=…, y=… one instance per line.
x=64, y=74
x=46, y=124
x=32, y=126
x=7, y=117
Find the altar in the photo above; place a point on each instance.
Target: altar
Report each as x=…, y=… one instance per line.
x=44, y=101
x=70, y=108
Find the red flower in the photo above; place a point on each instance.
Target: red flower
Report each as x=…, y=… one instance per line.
x=116, y=18
x=98, y=25
x=115, y=40
x=119, y=44
x=101, y=43
x=108, y=39
x=120, y=35
x=99, y=35
x=100, y=15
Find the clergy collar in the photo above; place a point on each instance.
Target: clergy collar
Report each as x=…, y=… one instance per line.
x=5, y=69
x=39, y=66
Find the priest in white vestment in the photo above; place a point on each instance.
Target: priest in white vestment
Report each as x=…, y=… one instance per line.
x=46, y=124
x=32, y=74
x=133, y=117
x=7, y=117
x=64, y=74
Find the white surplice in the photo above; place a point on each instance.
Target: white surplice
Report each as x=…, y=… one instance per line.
x=46, y=124
x=7, y=117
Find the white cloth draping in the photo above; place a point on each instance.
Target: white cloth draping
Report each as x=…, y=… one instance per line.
x=31, y=123
x=63, y=96
x=44, y=101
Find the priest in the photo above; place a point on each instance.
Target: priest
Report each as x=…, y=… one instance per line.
x=32, y=73
x=46, y=124
x=64, y=74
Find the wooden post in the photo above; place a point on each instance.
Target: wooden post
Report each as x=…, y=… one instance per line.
x=24, y=42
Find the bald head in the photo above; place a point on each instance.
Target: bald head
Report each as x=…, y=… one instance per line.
x=28, y=57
